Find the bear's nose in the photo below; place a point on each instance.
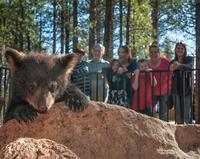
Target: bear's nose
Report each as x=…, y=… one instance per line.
x=42, y=109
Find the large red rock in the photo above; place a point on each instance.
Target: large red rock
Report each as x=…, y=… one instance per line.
x=106, y=131
x=28, y=148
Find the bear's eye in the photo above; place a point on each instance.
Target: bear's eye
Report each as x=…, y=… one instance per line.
x=32, y=87
x=53, y=86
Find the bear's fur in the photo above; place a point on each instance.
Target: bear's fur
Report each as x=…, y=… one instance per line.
x=38, y=81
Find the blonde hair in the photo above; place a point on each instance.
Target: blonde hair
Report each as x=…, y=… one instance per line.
x=101, y=47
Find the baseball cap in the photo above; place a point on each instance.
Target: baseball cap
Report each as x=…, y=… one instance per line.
x=80, y=51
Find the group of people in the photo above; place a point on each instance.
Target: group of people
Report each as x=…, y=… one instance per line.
x=140, y=85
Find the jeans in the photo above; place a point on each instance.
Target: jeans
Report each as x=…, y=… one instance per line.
x=163, y=112
x=147, y=111
x=183, y=108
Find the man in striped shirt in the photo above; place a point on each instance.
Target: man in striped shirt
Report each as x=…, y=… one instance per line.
x=80, y=76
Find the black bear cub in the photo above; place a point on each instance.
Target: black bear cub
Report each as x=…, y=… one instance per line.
x=39, y=81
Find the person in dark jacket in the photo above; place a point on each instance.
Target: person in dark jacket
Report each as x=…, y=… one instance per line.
x=127, y=66
x=116, y=82
x=182, y=82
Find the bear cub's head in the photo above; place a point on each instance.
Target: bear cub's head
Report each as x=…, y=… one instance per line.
x=38, y=79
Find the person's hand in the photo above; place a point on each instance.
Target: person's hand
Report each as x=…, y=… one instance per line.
x=121, y=70
x=128, y=75
x=148, y=69
x=171, y=67
x=174, y=66
x=137, y=71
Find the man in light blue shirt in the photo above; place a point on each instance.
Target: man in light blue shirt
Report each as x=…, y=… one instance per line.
x=99, y=86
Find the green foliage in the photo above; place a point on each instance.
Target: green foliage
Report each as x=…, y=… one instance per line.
x=18, y=23
x=167, y=48
x=140, y=28
x=23, y=20
x=177, y=16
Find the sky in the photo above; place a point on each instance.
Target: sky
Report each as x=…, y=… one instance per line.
x=181, y=37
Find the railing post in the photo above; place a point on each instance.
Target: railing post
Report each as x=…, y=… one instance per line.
x=197, y=96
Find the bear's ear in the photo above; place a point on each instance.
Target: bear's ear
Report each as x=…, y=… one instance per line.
x=68, y=62
x=14, y=58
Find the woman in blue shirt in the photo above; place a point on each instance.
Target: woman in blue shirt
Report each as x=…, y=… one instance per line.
x=127, y=65
x=182, y=83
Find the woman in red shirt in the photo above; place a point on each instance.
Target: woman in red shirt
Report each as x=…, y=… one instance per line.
x=160, y=66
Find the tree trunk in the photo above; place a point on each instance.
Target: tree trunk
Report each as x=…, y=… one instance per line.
x=120, y=22
x=128, y=23
x=21, y=37
x=132, y=41
x=75, y=24
x=28, y=42
x=16, y=34
x=154, y=15
x=99, y=24
x=197, y=95
x=54, y=26
x=40, y=34
x=108, y=34
x=62, y=26
x=1, y=76
x=67, y=26
x=92, y=26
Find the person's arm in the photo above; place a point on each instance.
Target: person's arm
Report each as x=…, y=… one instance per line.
x=171, y=66
x=122, y=70
x=152, y=78
x=136, y=79
x=188, y=65
x=178, y=66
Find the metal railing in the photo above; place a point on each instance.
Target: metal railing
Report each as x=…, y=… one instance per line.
x=165, y=87
x=4, y=91
x=101, y=86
